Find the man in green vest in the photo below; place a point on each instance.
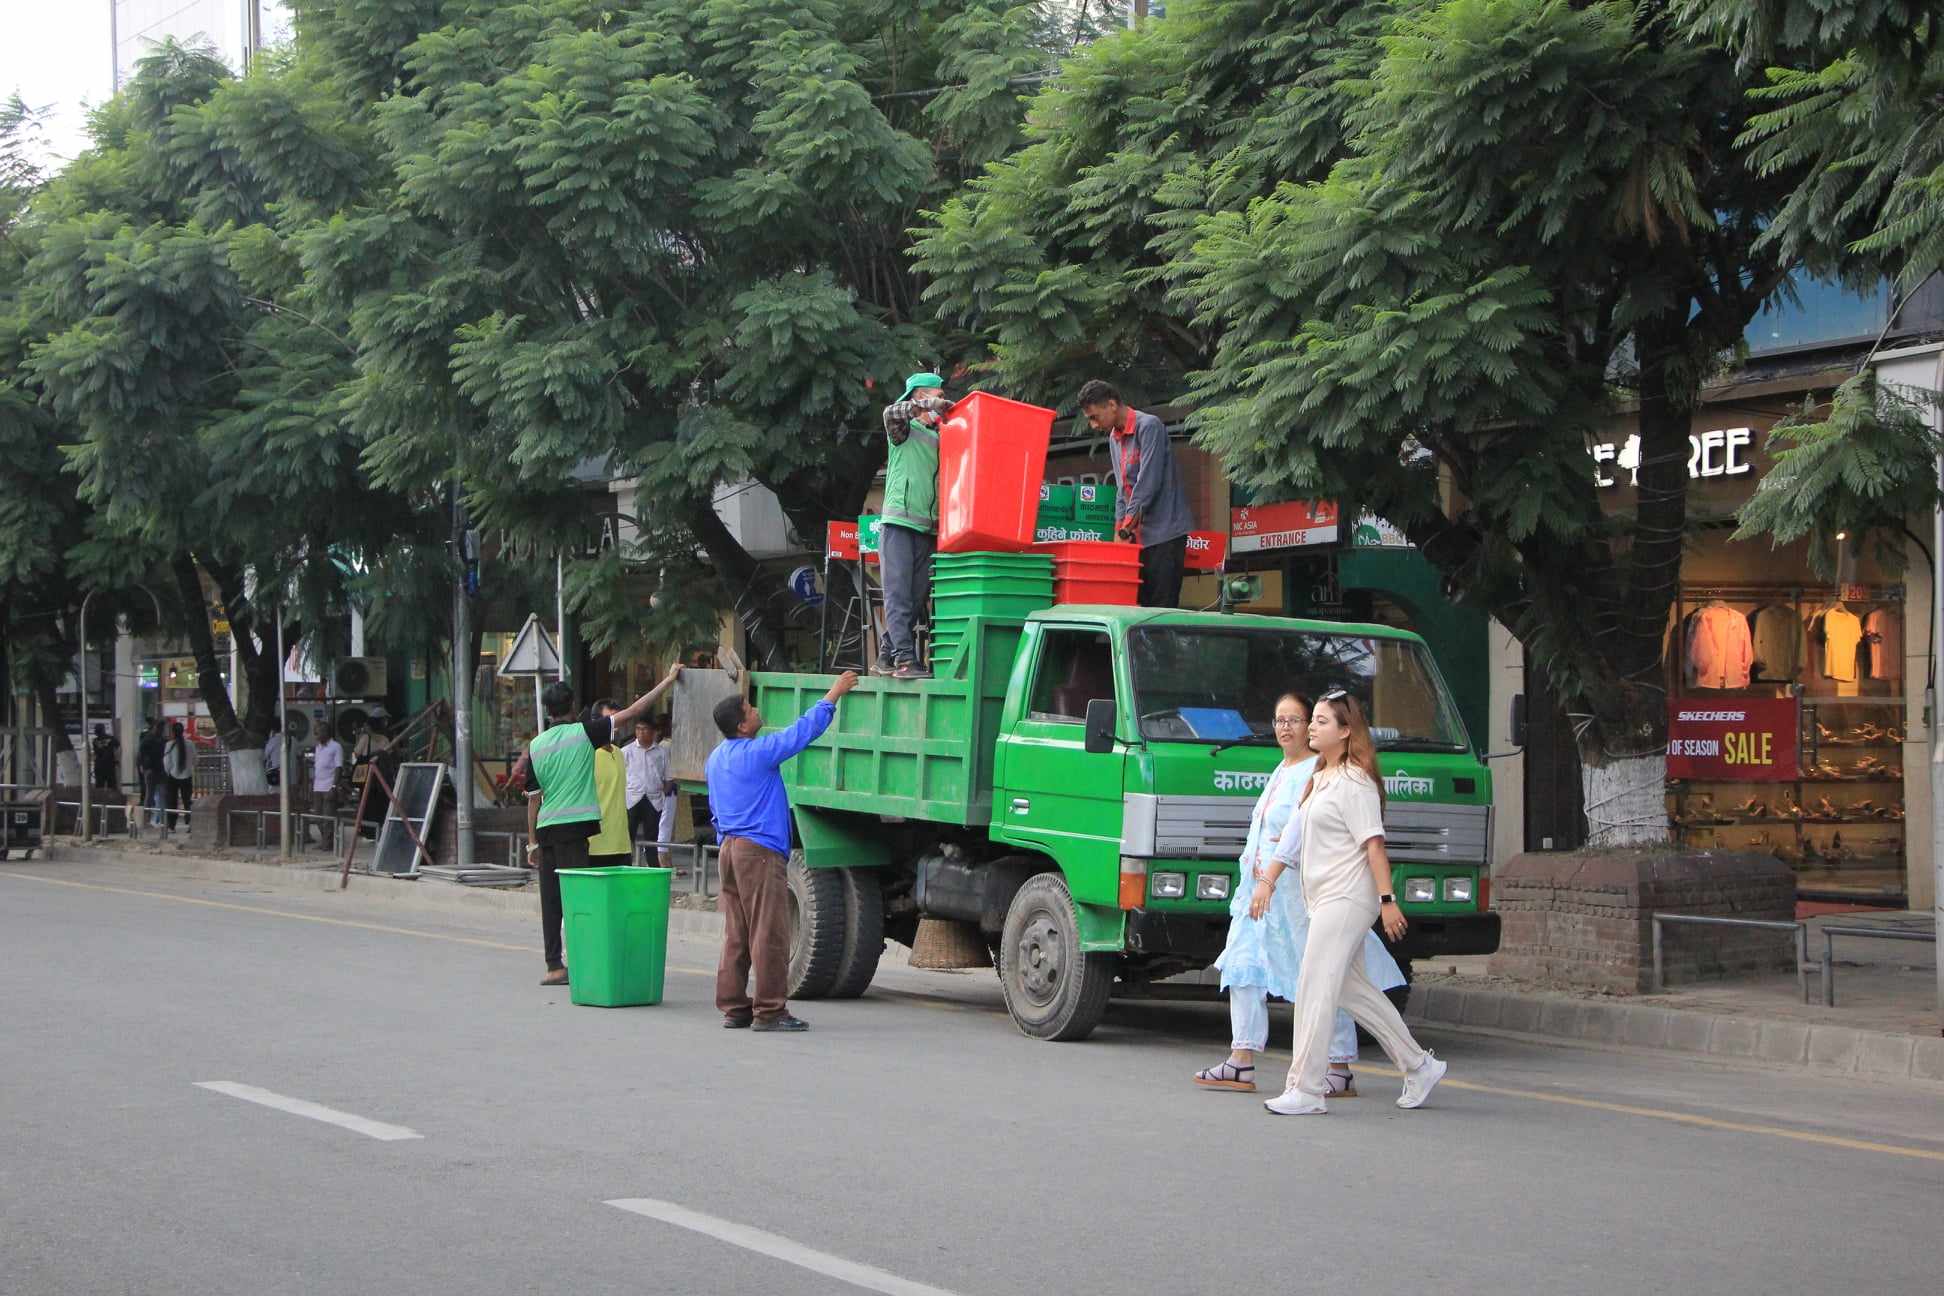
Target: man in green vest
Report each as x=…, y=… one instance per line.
x=563, y=807
x=907, y=534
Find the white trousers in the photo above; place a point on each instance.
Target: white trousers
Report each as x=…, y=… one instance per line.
x=1249, y=1020
x=1333, y=981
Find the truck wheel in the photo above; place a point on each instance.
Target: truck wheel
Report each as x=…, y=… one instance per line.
x=1052, y=989
x=863, y=932
x=816, y=928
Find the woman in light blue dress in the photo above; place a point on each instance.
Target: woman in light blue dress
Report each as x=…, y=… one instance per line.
x=1264, y=953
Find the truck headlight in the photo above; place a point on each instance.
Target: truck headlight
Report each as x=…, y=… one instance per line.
x=1168, y=886
x=1421, y=890
x=1459, y=890
x=1212, y=886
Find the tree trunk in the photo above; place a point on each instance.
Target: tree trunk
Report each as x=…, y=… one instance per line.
x=245, y=747
x=67, y=761
x=756, y=592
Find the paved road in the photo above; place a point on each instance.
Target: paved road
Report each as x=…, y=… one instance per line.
x=913, y=1135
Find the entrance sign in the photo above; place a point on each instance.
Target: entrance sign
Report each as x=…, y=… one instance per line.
x=1292, y=525
x=1751, y=740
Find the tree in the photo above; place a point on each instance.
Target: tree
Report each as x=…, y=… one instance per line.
x=667, y=238
x=1851, y=99
x=195, y=390
x=1513, y=221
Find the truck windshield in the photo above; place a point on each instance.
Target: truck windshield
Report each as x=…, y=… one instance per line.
x=1197, y=684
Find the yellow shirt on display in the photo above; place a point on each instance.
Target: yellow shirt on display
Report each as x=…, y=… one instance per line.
x=1842, y=632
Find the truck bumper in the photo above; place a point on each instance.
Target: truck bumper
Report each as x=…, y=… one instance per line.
x=1197, y=936
x=1437, y=934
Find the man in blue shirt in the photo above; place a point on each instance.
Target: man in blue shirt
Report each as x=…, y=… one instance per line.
x=752, y=820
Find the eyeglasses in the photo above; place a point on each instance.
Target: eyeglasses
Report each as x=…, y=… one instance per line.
x=1289, y=722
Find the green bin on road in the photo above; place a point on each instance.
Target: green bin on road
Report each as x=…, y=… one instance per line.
x=617, y=934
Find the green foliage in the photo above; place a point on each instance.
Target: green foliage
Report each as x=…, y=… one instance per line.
x=1857, y=466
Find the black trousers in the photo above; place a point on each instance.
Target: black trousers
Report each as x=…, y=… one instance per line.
x=1162, y=566
x=644, y=822
x=554, y=857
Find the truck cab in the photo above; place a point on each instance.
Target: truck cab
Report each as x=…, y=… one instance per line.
x=1072, y=790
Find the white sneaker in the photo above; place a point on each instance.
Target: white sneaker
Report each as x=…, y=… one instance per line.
x=1293, y=1102
x=1418, y=1084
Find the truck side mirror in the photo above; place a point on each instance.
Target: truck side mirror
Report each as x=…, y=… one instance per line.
x=1100, y=726
x=1518, y=725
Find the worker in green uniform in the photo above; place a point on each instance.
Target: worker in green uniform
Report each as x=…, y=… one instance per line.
x=908, y=531
x=563, y=805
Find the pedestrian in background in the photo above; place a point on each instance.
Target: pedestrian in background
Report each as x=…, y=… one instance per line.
x=148, y=768
x=104, y=749
x=1150, y=504
x=1346, y=877
x=563, y=804
x=326, y=761
x=908, y=526
x=650, y=817
x=178, y=776
x=610, y=846
x=1268, y=924
x=752, y=821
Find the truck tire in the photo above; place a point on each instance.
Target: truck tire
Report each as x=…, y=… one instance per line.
x=816, y=928
x=863, y=932
x=1052, y=989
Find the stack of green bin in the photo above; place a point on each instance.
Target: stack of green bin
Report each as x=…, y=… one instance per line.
x=617, y=934
x=968, y=585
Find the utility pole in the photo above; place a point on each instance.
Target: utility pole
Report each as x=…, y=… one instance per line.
x=462, y=673
x=1931, y=707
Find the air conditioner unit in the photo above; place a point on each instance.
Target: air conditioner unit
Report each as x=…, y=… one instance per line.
x=359, y=677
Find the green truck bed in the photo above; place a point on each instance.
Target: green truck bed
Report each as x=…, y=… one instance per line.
x=937, y=767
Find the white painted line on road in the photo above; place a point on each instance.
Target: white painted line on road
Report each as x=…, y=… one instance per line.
x=778, y=1248
x=299, y=1107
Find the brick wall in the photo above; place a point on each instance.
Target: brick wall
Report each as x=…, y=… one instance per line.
x=1582, y=918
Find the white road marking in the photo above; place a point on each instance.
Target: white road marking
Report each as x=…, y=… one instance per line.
x=299, y=1107
x=778, y=1248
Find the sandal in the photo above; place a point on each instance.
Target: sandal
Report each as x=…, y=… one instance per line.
x=1227, y=1076
x=1339, y=1084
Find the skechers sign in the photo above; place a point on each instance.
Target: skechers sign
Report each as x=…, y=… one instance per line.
x=1744, y=740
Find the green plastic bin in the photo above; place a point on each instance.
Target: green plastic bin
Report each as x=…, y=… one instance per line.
x=617, y=934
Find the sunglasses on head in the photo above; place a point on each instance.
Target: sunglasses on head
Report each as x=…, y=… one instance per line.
x=1331, y=695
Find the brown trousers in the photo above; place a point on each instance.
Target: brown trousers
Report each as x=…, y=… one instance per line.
x=755, y=905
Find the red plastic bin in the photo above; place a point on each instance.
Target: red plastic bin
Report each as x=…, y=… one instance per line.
x=991, y=457
x=1095, y=571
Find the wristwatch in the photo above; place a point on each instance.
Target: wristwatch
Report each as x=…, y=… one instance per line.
x=1387, y=898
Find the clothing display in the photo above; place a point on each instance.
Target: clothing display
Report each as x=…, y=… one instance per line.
x=1720, y=650
x=1883, y=632
x=1776, y=632
x=1841, y=633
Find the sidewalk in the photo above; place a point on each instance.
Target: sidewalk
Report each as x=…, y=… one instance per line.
x=1884, y=1027
x=1884, y=1024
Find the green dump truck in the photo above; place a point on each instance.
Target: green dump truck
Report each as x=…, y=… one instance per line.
x=1073, y=788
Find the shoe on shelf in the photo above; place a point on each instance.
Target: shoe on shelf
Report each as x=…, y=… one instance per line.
x=1292, y=1102
x=1419, y=1082
x=786, y=1022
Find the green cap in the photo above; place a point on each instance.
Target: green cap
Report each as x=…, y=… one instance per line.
x=918, y=380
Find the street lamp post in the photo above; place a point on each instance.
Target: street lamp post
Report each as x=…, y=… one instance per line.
x=87, y=775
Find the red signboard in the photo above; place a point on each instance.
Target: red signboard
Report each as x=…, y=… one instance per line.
x=840, y=541
x=1206, y=550
x=1751, y=740
x=1283, y=526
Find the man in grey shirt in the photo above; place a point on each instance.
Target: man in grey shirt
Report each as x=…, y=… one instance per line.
x=1150, y=505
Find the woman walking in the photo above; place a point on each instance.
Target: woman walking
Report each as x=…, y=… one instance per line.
x=1346, y=881
x=1268, y=923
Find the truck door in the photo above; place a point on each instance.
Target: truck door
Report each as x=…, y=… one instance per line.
x=1055, y=796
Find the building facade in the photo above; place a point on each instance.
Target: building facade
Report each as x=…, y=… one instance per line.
x=236, y=28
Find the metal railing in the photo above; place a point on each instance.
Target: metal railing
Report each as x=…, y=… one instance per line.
x=1829, y=935
x=1801, y=942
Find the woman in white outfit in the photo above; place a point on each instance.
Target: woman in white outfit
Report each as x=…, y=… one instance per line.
x=1268, y=924
x=1346, y=881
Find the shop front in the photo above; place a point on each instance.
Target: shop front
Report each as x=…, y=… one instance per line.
x=1794, y=728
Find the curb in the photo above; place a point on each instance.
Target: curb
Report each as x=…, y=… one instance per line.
x=1812, y=1046
x=425, y=896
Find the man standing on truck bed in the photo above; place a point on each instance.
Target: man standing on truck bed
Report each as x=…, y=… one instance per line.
x=752, y=819
x=908, y=528
x=1151, y=507
x=563, y=807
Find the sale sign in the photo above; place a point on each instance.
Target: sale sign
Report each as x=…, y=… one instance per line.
x=1283, y=526
x=1734, y=739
